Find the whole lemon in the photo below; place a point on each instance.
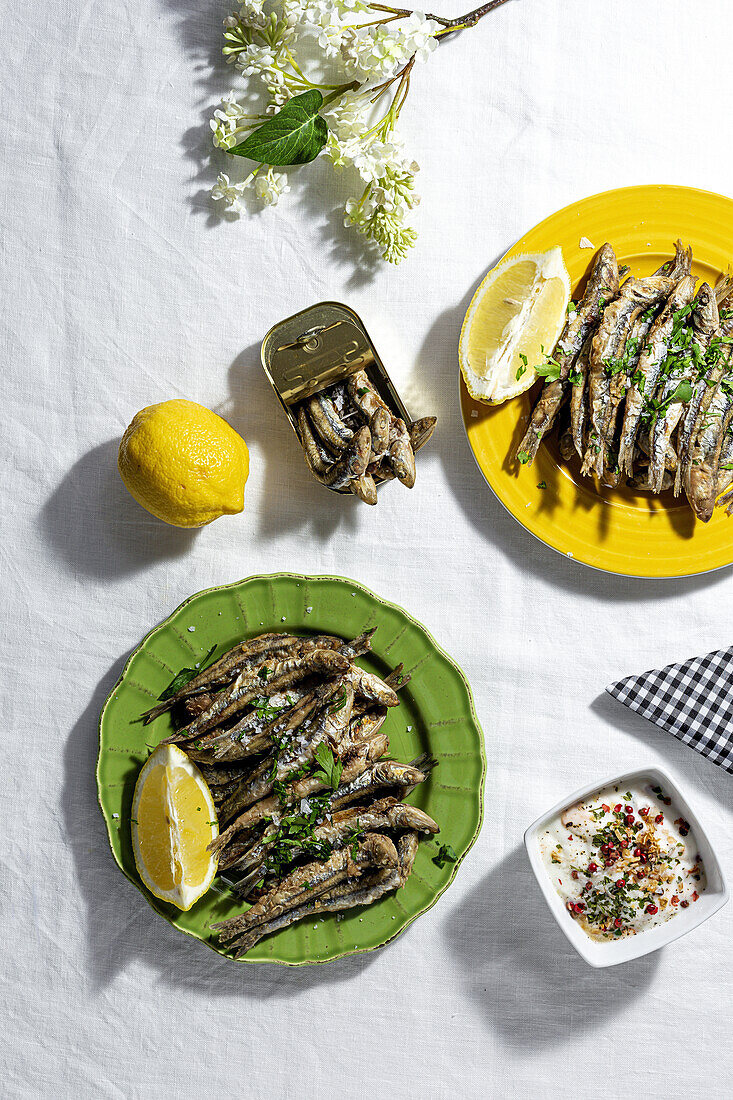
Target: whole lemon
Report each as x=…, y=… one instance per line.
x=184, y=463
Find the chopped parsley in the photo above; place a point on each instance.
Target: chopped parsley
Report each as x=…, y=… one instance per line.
x=446, y=854
x=330, y=768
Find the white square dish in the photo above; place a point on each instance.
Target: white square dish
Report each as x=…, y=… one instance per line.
x=610, y=953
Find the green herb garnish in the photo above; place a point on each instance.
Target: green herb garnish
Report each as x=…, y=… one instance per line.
x=330, y=768
x=184, y=677
x=446, y=854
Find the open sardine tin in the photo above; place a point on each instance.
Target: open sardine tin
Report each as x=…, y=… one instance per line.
x=317, y=347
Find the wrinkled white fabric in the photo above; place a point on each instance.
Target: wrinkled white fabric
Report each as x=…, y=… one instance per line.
x=121, y=288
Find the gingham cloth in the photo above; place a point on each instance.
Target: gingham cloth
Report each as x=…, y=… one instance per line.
x=692, y=700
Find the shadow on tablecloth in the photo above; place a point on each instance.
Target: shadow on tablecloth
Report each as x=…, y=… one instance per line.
x=696, y=770
x=532, y=987
x=97, y=528
x=296, y=501
x=123, y=932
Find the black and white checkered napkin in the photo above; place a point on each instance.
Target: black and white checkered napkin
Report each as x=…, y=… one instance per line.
x=692, y=700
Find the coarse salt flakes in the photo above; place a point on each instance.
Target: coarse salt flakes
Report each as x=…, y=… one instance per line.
x=585, y=243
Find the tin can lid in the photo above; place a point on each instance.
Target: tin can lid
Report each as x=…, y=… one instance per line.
x=315, y=348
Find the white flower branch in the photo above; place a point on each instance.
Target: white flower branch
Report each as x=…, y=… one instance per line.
x=375, y=59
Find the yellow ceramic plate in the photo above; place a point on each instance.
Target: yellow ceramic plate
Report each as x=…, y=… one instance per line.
x=619, y=531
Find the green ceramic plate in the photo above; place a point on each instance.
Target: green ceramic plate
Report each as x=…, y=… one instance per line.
x=436, y=714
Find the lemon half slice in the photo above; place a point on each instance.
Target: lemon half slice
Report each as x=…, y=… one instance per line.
x=518, y=311
x=173, y=821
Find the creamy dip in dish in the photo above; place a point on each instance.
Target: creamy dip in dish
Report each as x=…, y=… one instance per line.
x=623, y=860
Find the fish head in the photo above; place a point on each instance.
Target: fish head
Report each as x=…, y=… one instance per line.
x=705, y=319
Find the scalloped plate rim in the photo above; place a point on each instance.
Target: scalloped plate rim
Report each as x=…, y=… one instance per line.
x=474, y=718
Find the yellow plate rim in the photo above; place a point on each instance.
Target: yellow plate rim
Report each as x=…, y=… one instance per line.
x=598, y=561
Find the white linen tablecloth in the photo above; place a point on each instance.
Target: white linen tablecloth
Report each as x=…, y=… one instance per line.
x=120, y=288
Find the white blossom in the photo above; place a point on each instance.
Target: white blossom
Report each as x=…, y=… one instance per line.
x=270, y=186
x=293, y=45
x=227, y=192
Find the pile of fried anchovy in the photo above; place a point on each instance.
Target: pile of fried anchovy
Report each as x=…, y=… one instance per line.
x=286, y=731
x=642, y=377
x=352, y=439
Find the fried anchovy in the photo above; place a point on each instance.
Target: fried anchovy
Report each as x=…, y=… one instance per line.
x=308, y=882
x=353, y=462
x=280, y=674
x=383, y=774
x=254, y=733
x=247, y=657
x=365, y=726
x=327, y=423
x=701, y=475
x=329, y=724
x=379, y=425
x=642, y=484
x=363, y=756
x=644, y=447
x=400, y=455
x=680, y=366
x=369, y=686
x=607, y=359
x=249, y=737
x=725, y=469
x=705, y=324
x=579, y=397
x=397, y=680
x=602, y=286
x=420, y=432
x=240, y=657
x=647, y=371
x=317, y=457
x=364, y=890
x=364, y=395
x=221, y=776
x=364, y=488
x=386, y=814
x=373, y=882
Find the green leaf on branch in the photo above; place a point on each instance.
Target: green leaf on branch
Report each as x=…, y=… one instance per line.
x=295, y=135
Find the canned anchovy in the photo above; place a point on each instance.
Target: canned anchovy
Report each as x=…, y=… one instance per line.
x=353, y=428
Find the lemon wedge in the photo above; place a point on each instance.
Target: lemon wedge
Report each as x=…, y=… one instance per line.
x=173, y=822
x=512, y=324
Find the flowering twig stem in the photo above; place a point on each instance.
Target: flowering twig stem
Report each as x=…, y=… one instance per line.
x=468, y=20
x=306, y=117
x=339, y=90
